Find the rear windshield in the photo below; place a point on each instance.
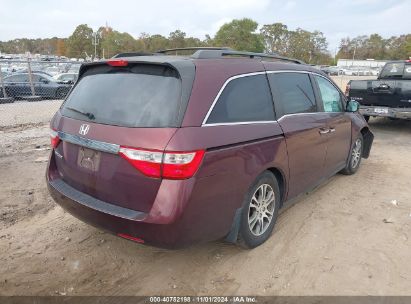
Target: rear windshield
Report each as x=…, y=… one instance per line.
x=129, y=98
x=393, y=70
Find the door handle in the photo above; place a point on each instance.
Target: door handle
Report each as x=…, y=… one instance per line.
x=324, y=131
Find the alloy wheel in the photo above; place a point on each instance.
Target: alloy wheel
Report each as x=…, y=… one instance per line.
x=356, y=153
x=261, y=209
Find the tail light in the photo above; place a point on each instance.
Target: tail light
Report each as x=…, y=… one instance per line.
x=347, y=89
x=118, y=63
x=131, y=238
x=170, y=165
x=54, y=138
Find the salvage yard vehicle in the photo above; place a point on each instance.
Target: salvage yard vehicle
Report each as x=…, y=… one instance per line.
x=175, y=150
x=69, y=78
x=18, y=86
x=388, y=96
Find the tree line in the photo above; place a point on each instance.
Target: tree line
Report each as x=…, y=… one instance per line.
x=240, y=34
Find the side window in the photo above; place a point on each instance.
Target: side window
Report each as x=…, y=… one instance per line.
x=244, y=99
x=330, y=96
x=293, y=92
x=18, y=78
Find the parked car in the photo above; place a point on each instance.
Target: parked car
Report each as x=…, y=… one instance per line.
x=69, y=78
x=332, y=70
x=171, y=151
x=388, y=96
x=18, y=86
x=25, y=71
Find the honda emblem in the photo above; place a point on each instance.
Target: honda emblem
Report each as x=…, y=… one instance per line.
x=84, y=129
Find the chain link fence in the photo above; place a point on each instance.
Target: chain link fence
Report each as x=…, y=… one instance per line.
x=32, y=91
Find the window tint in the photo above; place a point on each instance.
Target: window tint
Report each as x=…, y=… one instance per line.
x=293, y=92
x=244, y=99
x=18, y=78
x=127, y=99
x=392, y=70
x=330, y=96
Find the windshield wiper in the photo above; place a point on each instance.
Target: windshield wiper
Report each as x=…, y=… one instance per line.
x=87, y=114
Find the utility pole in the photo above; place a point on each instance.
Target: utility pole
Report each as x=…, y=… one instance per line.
x=95, y=40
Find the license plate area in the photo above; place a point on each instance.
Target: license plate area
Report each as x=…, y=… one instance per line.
x=88, y=159
x=381, y=110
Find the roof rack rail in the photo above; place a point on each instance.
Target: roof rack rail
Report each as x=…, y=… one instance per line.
x=209, y=48
x=132, y=54
x=210, y=53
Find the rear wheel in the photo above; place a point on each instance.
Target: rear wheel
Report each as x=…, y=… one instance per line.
x=260, y=210
x=354, y=160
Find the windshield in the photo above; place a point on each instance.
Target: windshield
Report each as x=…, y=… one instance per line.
x=126, y=99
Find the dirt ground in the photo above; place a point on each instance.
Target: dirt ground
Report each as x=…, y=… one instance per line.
x=345, y=238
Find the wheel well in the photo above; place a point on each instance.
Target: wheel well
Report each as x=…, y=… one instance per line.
x=368, y=138
x=281, y=182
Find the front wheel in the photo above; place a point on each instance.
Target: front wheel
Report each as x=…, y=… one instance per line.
x=354, y=160
x=367, y=118
x=260, y=210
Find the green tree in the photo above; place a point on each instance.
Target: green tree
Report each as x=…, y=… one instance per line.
x=311, y=47
x=114, y=42
x=276, y=38
x=240, y=35
x=79, y=43
x=177, y=39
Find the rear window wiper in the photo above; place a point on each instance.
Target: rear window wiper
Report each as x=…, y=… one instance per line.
x=87, y=114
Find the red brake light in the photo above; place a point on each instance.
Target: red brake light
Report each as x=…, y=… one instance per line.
x=181, y=165
x=118, y=63
x=148, y=162
x=170, y=165
x=54, y=138
x=131, y=238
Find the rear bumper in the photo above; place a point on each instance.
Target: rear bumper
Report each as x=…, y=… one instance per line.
x=115, y=219
x=401, y=113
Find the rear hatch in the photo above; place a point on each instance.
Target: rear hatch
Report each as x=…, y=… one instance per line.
x=114, y=108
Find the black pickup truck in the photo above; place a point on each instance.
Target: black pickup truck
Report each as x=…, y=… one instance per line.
x=389, y=95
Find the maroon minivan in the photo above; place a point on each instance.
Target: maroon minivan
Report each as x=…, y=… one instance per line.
x=174, y=150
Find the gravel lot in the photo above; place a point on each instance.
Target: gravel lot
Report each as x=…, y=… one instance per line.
x=348, y=237
x=24, y=112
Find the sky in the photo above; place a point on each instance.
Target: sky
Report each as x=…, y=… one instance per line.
x=336, y=19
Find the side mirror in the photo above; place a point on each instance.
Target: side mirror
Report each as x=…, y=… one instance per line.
x=353, y=106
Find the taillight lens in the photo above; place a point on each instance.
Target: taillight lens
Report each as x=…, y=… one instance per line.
x=54, y=138
x=118, y=63
x=181, y=165
x=170, y=165
x=148, y=162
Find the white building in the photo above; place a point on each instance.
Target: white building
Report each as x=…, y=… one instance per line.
x=371, y=63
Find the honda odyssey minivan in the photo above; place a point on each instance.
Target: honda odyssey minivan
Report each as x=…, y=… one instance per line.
x=175, y=150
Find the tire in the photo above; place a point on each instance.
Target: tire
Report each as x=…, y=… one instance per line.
x=258, y=218
x=354, y=160
x=367, y=118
